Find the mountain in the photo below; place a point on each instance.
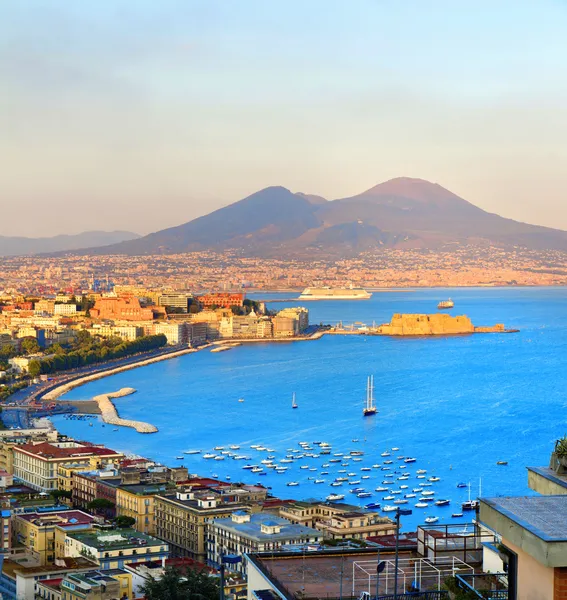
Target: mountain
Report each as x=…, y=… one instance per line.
x=402, y=212
x=13, y=246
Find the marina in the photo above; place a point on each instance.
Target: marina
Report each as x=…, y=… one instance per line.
x=436, y=407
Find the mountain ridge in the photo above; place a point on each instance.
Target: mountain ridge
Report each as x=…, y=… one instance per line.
x=400, y=212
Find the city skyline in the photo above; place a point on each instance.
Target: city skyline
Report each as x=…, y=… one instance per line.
x=160, y=114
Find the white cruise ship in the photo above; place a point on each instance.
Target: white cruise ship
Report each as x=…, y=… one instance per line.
x=327, y=293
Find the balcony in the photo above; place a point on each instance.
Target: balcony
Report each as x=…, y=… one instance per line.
x=490, y=586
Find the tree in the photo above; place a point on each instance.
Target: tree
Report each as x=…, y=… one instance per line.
x=29, y=345
x=124, y=522
x=189, y=584
x=34, y=368
x=101, y=505
x=58, y=494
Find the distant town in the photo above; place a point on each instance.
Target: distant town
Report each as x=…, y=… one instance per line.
x=451, y=265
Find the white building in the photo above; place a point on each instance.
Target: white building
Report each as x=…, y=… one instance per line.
x=66, y=310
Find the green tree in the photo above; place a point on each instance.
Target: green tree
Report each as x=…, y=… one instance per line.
x=29, y=345
x=101, y=506
x=124, y=522
x=7, y=351
x=34, y=368
x=188, y=584
x=58, y=494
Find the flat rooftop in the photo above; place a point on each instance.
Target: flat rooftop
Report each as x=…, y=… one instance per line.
x=117, y=539
x=536, y=524
x=319, y=573
x=551, y=475
x=544, y=516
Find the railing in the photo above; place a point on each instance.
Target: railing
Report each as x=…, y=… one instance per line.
x=491, y=586
x=434, y=595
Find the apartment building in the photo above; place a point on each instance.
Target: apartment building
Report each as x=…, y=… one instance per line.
x=43, y=534
x=37, y=465
x=10, y=438
x=65, y=309
x=113, y=584
x=138, y=501
x=113, y=549
x=176, y=333
x=178, y=300
x=338, y=521
x=182, y=520
x=242, y=533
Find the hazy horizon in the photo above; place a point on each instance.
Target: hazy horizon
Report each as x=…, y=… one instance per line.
x=140, y=116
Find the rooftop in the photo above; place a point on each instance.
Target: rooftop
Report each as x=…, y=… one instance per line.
x=252, y=528
x=65, y=518
x=11, y=567
x=549, y=474
x=536, y=524
x=78, y=449
x=116, y=539
x=540, y=515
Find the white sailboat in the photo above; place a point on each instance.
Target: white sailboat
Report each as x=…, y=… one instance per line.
x=369, y=408
x=293, y=402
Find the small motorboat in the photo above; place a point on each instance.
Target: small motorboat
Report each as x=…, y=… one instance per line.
x=192, y=452
x=457, y=515
x=179, y=457
x=421, y=505
x=400, y=501
x=502, y=463
x=461, y=485
x=431, y=519
x=292, y=483
x=389, y=508
x=334, y=497
x=372, y=506
x=442, y=502
x=364, y=495
x=433, y=479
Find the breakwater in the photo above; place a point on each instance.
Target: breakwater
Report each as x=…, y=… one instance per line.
x=110, y=414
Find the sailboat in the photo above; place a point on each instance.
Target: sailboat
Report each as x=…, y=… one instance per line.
x=471, y=504
x=293, y=402
x=369, y=408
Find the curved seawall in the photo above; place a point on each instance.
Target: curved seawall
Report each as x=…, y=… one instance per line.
x=110, y=414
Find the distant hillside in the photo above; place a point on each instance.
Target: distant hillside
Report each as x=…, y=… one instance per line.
x=402, y=212
x=14, y=246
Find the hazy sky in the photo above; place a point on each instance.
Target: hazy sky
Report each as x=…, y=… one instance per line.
x=140, y=114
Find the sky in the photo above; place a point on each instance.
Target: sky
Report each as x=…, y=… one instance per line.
x=139, y=114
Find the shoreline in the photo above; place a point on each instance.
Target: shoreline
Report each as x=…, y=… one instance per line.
x=53, y=394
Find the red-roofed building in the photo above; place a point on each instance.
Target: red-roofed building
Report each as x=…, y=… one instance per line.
x=40, y=466
x=125, y=308
x=220, y=300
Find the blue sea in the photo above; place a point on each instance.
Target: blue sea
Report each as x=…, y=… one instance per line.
x=456, y=404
